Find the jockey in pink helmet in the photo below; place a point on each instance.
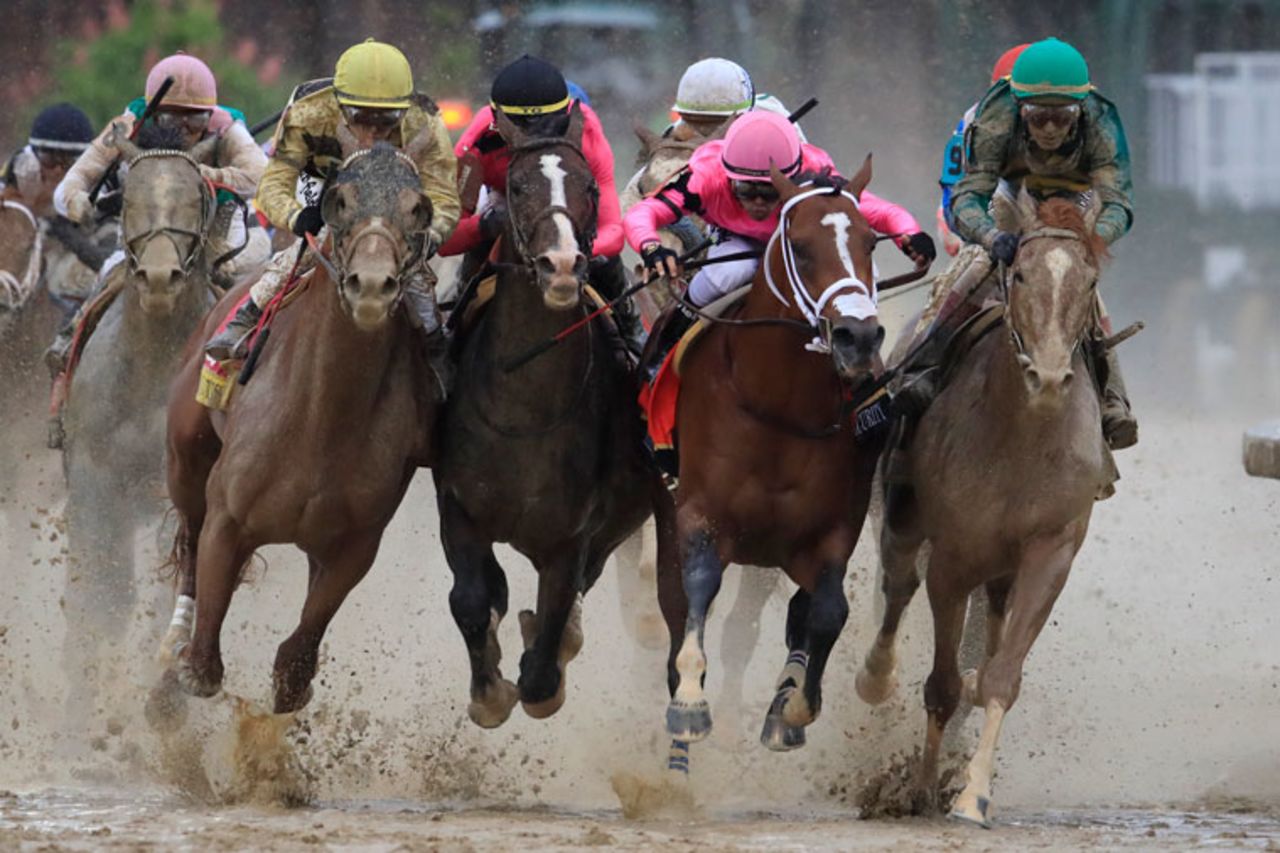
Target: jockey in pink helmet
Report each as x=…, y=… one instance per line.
x=727, y=182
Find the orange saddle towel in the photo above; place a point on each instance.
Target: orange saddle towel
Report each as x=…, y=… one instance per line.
x=658, y=397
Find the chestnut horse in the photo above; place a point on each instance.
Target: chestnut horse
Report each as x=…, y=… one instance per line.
x=319, y=448
x=547, y=455
x=770, y=471
x=1001, y=477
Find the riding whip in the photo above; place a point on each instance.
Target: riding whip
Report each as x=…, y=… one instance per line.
x=147, y=113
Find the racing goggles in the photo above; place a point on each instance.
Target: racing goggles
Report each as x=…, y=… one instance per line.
x=375, y=117
x=1046, y=116
x=52, y=158
x=190, y=121
x=754, y=190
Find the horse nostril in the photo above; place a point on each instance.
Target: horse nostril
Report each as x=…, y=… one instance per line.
x=1033, y=379
x=580, y=265
x=842, y=337
x=389, y=285
x=1066, y=379
x=545, y=265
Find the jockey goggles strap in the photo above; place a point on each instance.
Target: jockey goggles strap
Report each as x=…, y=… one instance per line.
x=811, y=308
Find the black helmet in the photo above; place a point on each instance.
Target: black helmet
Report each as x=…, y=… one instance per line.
x=61, y=127
x=529, y=87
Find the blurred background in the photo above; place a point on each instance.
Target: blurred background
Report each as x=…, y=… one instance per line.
x=1196, y=82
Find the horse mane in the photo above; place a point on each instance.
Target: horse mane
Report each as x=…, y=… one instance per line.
x=824, y=178
x=153, y=137
x=1064, y=213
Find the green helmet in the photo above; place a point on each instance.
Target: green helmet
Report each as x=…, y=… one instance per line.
x=1050, y=68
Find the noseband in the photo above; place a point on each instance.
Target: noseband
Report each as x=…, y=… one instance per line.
x=520, y=233
x=133, y=245
x=1044, y=232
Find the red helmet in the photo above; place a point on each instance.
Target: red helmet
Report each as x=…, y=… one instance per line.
x=757, y=140
x=1004, y=65
x=193, y=83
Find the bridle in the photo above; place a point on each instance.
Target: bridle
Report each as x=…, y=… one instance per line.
x=1043, y=232
x=138, y=242
x=520, y=232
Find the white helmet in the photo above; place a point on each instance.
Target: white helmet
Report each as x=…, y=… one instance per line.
x=714, y=87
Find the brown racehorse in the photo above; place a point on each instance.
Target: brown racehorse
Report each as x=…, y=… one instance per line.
x=1003, y=471
x=547, y=455
x=770, y=472
x=319, y=448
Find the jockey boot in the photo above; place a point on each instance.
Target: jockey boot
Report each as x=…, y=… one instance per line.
x=420, y=300
x=609, y=277
x=55, y=357
x=1119, y=426
x=669, y=332
x=629, y=325
x=232, y=341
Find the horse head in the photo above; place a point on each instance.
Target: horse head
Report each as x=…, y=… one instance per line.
x=662, y=157
x=552, y=198
x=164, y=224
x=820, y=257
x=1049, y=291
x=378, y=215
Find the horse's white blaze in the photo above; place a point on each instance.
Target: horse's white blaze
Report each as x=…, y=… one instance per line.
x=858, y=304
x=840, y=223
x=555, y=175
x=1058, y=261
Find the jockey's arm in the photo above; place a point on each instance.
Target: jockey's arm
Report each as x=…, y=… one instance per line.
x=244, y=160
x=887, y=218
x=1110, y=175
x=609, y=235
x=643, y=220
x=466, y=234
x=71, y=197
x=277, y=190
x=438, y=169
x=988, y=144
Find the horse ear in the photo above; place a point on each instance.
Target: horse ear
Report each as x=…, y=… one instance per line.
x=347, y=140
x=507, y=129
x=1028, y=208
x=206, y=150
x=420, y=143
x=336, y=204
x=785, y=186
x=859, y=181
x=121, y=142
x=576, y=121
x=648, y=139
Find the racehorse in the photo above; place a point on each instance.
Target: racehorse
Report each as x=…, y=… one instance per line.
x=771, y=473
x=320, y=447
x=546, y=455
x=1001, y=477
x=114, y=415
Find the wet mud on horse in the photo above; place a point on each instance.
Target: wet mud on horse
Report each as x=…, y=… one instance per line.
x=546, y=456
x=771, y=473
x=1002, y=491
x=318, y=449
x=114, y=415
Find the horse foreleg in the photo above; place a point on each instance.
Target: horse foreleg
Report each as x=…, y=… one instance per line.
x=675, y=610
x=478, y=601
x=828, y=611
x=997, y=595
x=1040, y=578
x=636, y=574
x=742, y=628
x=332, y=578
x=222, y=553
x=552, y=636
x=948, y=600
x=689, y=714
x=899, y=545
x=776, y=734
x=185, y=548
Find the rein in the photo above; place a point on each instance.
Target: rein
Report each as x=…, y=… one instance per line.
x=14, y=290
x=200, y=236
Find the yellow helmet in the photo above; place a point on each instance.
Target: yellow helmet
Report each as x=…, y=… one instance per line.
x=373, y=74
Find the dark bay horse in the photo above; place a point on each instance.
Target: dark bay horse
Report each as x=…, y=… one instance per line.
x=770, y=471
x=319, y=448
x=546, y=456
x=114, y=415
x=1003, y=471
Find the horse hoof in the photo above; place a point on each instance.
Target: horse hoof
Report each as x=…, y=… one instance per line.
x=166, y=708
x=492, y=707
x=547, y=707
x=796, y=711
x=777, y=736
x=874, y=689
x=689, y=721
x=195, y=684
x=290, y=701
x=972, y=809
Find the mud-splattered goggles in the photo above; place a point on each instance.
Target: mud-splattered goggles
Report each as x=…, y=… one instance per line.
x=372, y=116
x=1046, y=116
x=53, y=159
x=754, y=190
x=191, y=121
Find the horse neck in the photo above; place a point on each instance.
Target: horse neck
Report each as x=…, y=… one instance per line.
x=517, y=320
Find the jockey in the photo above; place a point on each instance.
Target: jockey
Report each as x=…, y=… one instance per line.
x=371, y=94
x=728, y=184
x=1047, y=130
x=953, y=154
x=190, y=112
x=533, y=94
x=59, y=135
x=713, y=91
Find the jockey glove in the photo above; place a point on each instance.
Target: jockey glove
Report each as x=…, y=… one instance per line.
x=1004, y=246
x=657, y=258
x=919, y=246
x=493, y=222
x=308, y=221
x=110, y=204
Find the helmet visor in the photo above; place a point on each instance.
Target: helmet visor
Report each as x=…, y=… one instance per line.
x=1050, y=117
x=189, y=121
x=755, y=190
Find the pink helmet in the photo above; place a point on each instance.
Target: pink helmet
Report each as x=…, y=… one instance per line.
x=193, y=83
x=755, y=141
